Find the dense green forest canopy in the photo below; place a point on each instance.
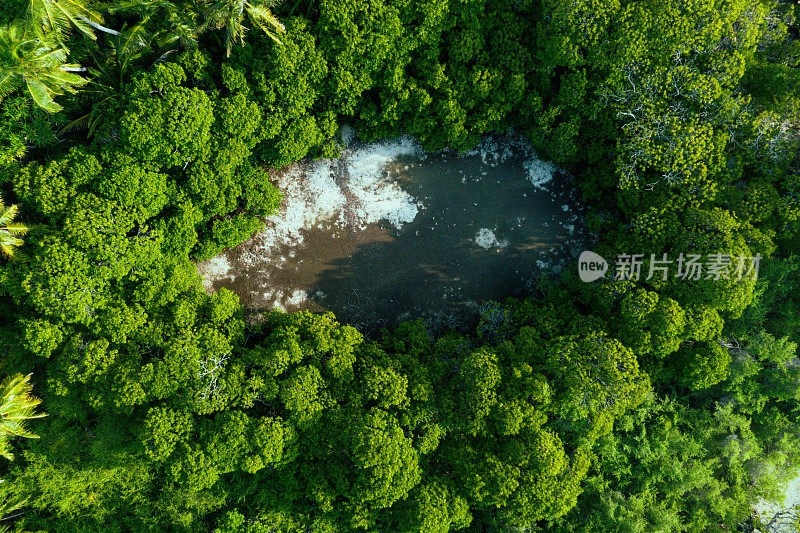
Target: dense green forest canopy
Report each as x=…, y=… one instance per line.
x=135, y=139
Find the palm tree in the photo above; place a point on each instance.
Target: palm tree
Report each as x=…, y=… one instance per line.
x=109, y=71
x=161, y=25
x=37, y=63
x=16, y=406
x=175, y=21
x=10, y=232
x=57, y=16
x=229, y=14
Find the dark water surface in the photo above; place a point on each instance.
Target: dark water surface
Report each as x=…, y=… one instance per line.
x=432, y=267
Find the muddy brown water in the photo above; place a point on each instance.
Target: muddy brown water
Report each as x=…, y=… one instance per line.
x=432, y=267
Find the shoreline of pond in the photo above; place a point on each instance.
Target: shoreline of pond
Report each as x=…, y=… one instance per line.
x=388, y=232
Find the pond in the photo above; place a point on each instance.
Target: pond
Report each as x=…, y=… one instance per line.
x=781, y=517
x=389, y=232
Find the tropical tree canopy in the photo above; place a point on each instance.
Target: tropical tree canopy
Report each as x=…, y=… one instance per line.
x=664, y=404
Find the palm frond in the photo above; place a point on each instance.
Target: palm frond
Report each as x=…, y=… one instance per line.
x=60, y=81
x=131, y=43
x=10, y=231
x=138, y=7
x=36, y=64
x=47, y=17
x=9, y=82
x=8, y=502
x=59, y=16
x=9, y=244
x=7, y=214
x=42, y=95
x=5, y=448
x=229, y=14
x=80, y=123
x=264, y=19
x=17, y=228
x=163, y=57
x=17, y=404
x=49, y=58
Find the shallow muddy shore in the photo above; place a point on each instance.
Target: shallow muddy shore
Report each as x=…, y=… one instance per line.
x=389, y=232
